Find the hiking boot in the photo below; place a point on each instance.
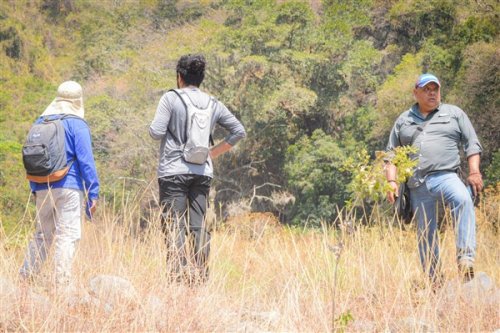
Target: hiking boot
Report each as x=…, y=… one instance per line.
x=466, y=269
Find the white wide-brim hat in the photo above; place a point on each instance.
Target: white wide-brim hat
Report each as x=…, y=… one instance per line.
x=69, y=100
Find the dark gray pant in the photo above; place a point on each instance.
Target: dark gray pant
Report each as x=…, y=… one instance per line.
x=184, y=204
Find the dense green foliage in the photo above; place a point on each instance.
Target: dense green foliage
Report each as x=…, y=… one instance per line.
x=313, y=82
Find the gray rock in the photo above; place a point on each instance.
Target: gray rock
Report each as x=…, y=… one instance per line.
x=362, y=326
x=106, y=307
x=154, y=304
x=9, y=293
x=113, y=290
x=9, y=297
x=480, y=290
x=154, y=308
x=87, y=303
x=247, y=326
x=14, y=300
x=268, y=318
x=82, y=302
x=483, y=281
x=478, y=287
x=494, y=300
x=255, y=321
x=37, y=304
x=7, y=288
x=411, y=324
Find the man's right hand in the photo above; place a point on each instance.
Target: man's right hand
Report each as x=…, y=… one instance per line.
x=390, y=174
x=91, y=207
x=391, y=195
x=475, y=180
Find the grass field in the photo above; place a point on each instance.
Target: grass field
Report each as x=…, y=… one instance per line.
x=264, y=277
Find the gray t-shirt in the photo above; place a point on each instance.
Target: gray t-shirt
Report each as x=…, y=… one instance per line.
x=169, y=126
x=438, y=146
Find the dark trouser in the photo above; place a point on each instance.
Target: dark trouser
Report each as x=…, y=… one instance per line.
x=184, y=203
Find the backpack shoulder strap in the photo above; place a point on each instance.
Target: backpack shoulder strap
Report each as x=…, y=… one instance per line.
x=62, y=116
x=68, y=115
x=180, y=93
x=421, y=128
x=211, y=107
x=417, y=132
x=186, y=100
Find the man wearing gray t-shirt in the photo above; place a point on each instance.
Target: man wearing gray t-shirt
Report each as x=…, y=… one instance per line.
x=184, y=186
x=438, y=131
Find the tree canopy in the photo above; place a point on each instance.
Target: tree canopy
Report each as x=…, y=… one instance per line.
x=314, y=83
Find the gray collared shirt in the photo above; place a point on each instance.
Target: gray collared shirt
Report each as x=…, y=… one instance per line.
x=438, y=146
x=169, y=126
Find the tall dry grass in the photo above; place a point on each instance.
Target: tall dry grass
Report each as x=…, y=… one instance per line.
x=270, y=279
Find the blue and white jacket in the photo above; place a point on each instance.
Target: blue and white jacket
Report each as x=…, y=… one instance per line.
x=83, y=174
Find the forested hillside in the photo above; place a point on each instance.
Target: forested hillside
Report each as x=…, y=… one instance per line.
x=314, y=82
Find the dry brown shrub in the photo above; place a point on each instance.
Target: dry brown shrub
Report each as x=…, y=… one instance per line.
x=488, y=214
x=253, y=225
x=262, y=278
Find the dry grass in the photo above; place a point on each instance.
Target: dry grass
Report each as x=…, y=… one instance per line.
x=275, y=280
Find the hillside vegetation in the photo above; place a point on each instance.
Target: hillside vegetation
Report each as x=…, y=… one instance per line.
x=313, y=82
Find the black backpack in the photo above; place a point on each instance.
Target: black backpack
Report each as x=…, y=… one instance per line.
x=44, y=152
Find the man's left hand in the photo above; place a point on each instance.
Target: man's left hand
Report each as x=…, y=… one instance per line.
x=476, y=182
x=220, y=149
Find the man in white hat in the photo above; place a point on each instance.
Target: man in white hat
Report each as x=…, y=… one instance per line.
x=437, y=131
x=59, y=203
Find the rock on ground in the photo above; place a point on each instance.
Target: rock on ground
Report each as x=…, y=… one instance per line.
x=155, y=307
x=113, y=290
x=411, y=324
x=9, y=296
x=480, y=290
x=16, y=302
x=362, y=326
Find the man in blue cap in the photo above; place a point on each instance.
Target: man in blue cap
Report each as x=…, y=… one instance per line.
x=437, y=130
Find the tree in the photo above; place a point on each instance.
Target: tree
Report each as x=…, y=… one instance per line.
x=313, y=167
x=477, y=92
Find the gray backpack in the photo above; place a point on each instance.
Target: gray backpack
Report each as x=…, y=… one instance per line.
x=44, y=152
x=198, y=129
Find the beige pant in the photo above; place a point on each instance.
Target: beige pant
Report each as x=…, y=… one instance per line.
x=58, y=220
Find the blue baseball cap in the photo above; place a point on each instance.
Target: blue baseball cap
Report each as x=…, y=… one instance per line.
x=425, y=79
